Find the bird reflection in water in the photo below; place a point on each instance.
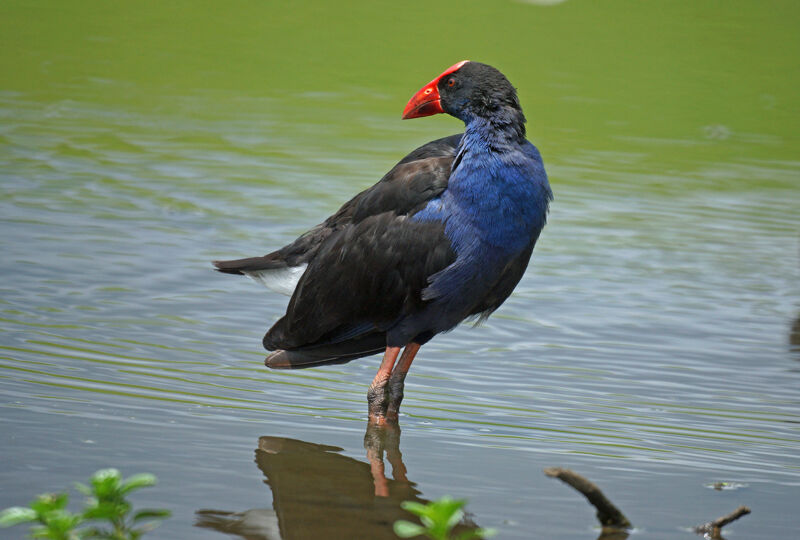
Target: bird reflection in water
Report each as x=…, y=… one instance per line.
x=319, y=493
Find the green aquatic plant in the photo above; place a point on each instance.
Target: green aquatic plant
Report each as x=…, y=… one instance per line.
x=438, y=520
x=108, y=515
x=49, y=512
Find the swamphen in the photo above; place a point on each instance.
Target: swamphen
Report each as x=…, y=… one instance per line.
x=445, y=235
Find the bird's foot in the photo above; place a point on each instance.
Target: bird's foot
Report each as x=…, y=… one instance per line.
x=384, y=400
x=378, y=401
x=395, y=390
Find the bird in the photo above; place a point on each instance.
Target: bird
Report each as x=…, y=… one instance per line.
x=444, y=236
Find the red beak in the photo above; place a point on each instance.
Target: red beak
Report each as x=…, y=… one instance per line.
x=427, y=101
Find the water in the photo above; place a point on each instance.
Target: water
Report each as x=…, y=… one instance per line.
x=652, y=346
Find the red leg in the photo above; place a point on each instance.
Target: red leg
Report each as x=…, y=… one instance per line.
x=397, y=380
x=378, y=470
x=377, y=395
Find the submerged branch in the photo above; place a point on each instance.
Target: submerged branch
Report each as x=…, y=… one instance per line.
x=608, y=514
x=713, y=527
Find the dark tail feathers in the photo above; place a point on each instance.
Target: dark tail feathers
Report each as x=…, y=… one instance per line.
x=251, y=264
x=323, y=355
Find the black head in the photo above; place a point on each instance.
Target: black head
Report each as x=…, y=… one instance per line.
x=469, y=90
x=476, y=90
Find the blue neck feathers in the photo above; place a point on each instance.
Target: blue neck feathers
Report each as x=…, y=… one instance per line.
x=497, y=194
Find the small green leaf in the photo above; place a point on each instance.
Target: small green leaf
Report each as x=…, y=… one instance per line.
x=105, y=483
x=428, y=521
x=47, y=502
x=41, y=532
x=60, y=501
x=406, y=529
x=16, y=514
x=454, y=517
x=415, y=507
x=148, y=513
x=104, y=475
x=138, y=481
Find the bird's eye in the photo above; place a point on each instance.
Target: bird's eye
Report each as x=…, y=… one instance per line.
x=451, y=82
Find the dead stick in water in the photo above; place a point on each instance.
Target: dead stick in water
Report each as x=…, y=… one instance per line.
x=608, y=514
x=713, y=527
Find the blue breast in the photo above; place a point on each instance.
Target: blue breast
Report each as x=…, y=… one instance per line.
x=494, y=207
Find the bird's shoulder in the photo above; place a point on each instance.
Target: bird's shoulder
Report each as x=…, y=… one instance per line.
x=417, y=178
x=420, y=176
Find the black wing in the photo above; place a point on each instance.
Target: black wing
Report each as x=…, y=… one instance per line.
x=417, y=178
x=364, y=279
